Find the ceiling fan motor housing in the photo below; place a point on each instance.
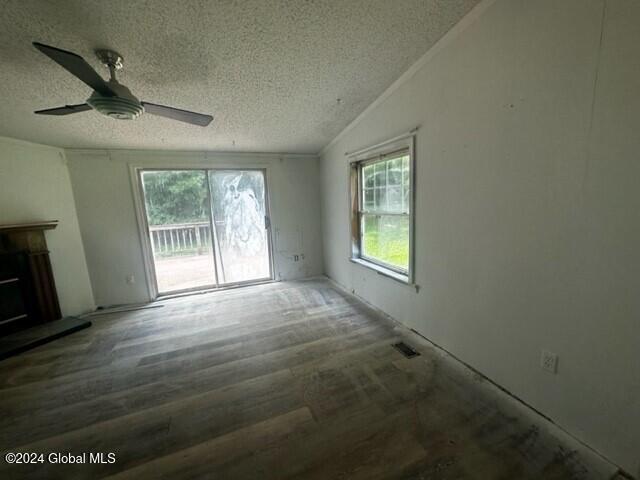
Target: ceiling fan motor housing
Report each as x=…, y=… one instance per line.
x=123, y=106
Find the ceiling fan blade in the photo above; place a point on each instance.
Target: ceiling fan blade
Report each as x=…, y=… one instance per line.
x=77, y=66
x=66, y=110
x=177, y=114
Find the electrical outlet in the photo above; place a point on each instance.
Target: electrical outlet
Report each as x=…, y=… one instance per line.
x=549, y=361
x=131, y=279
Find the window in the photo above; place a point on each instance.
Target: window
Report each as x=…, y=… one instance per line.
x=382, y=209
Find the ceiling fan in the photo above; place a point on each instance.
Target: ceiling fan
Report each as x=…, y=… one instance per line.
x=110, y=97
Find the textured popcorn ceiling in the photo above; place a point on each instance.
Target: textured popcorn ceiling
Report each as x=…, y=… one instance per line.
x=271, y=72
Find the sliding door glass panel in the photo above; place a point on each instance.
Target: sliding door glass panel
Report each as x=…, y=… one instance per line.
x=177, y=208
x=238, y=204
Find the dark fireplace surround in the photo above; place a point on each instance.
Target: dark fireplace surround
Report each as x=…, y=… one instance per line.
x=27, y=289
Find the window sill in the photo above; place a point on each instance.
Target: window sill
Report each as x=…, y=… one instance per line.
x=385, y=272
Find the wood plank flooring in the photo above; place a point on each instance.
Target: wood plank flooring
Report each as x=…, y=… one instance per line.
x=292, y=380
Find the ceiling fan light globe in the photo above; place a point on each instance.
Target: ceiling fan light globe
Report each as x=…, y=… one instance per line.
x=119, y=108
x=120, y=116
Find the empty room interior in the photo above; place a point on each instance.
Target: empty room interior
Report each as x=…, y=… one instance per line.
x=320, y=239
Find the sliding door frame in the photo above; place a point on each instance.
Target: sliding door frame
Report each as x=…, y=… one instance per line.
x=144, y=232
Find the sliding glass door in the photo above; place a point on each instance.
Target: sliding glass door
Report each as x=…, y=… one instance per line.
x=238, y=204
x=206, y=228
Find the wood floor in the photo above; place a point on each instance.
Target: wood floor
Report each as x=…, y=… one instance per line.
x=288, y=380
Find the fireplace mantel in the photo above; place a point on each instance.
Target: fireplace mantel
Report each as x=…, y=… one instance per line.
x=24, y=227
x=27, y=237
x=27, y=277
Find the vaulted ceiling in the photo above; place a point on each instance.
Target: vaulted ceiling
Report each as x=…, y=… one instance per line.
x=278, y=76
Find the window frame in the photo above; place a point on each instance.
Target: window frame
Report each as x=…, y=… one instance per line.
x=357, y=161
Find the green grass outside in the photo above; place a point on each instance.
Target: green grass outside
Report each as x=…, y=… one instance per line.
x=389, y=242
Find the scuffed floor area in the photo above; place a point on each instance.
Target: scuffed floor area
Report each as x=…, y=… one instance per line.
x=278, y=381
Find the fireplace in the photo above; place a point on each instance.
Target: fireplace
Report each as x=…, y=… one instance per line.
x=27, y=289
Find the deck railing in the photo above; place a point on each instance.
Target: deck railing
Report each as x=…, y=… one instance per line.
x=181, y=239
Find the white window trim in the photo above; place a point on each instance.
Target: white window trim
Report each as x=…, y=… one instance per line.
x=406, y=141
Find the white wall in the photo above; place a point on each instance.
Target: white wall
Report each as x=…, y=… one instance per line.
x=104, y=198
x=35, y=186
x=528, y=201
